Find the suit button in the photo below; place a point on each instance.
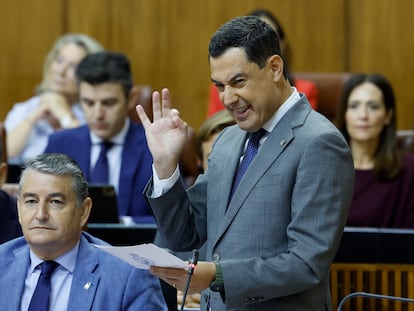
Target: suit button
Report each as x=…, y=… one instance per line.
x=216, y=257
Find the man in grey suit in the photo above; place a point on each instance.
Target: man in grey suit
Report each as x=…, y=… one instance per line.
x=269, y=246
x=53, y=206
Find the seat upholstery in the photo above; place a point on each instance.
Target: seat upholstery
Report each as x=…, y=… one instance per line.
x=188, y=159
x=329, y=85
x=405, y=141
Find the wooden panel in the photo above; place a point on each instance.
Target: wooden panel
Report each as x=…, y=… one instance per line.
x=29, y=29
x=380, y=41
x=394, y=280
x=167, y=41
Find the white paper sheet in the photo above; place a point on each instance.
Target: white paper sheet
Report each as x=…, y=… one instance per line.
x=145, y=255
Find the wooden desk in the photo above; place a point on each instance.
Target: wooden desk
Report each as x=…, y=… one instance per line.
x=377, y=261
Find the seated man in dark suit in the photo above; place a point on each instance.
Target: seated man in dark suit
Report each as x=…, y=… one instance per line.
x=9, y=226
x=105, y=89
x=53, y=206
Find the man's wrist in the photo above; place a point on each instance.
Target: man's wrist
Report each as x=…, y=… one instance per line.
x=218, y=283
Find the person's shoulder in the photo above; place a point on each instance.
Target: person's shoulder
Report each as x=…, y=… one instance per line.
x=9, y=247
x=137, y=129
x=408, y=161
x=71, y=132
x=136, y=135
x=25, y=106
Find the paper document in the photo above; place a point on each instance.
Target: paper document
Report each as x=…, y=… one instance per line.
x=145, y=255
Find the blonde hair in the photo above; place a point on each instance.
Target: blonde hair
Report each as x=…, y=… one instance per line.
x=214, y=124
x=89, y=44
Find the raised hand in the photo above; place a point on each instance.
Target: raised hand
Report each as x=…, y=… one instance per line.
x=166, y=135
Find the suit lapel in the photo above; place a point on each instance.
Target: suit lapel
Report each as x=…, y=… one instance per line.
x=85, y=282
x=129, y=163
x=230, y=150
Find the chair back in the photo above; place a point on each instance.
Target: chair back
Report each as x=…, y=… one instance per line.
x=329, y=85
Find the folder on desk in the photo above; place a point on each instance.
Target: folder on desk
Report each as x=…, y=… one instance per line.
x=104, y=204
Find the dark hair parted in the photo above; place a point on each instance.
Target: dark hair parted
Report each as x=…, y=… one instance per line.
x=104, y=67
x=387, y=160
x=256, y=37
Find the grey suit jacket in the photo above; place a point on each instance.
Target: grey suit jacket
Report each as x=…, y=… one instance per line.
x=278, y=236
x=115, y=285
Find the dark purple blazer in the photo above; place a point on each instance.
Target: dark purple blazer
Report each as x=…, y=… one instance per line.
x=136, y=165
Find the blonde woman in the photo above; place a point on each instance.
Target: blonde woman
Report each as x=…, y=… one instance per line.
x=55, y=105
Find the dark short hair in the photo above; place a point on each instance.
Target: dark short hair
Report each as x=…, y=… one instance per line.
x=60, y=165
x=256, y=37
x=103, y=67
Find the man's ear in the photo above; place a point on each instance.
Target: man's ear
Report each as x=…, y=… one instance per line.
x=275, y=62
x=85, y=211
x=133, y=97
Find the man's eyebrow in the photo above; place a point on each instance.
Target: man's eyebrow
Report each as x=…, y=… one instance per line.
x=56, y=194
x=232, y=79
x=28, y=194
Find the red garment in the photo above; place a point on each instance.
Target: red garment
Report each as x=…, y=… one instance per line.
x=303, y=86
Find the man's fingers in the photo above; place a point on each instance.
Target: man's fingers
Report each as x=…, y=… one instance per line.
x=156, y=110
x=142, y=116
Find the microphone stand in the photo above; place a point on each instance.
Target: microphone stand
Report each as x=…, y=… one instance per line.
x=370, y=295
x=191, y=266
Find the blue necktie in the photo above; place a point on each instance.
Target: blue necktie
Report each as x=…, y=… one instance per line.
x=100, y=173
x=40, y=298
x=251, y=151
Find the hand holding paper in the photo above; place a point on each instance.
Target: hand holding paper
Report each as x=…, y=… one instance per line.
x=145, y=255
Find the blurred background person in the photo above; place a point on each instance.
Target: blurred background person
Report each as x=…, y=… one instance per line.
x=55, y=105
x=384, y=178
x=9, y=225
x=208, y=133
x=105, y=91
x=303, y=86
x=53, y=207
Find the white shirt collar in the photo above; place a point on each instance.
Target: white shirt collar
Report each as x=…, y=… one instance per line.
x=283, y=109
x=118, y=139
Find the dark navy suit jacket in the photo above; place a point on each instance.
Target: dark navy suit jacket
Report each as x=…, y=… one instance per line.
x=9, y=224
x=136, y=165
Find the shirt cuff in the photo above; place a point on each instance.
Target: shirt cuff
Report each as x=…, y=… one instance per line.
x=161, y=186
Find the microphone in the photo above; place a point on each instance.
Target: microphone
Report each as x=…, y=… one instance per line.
x=192, y=263
x=370, y=295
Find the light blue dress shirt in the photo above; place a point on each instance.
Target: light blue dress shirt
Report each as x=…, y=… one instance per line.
x=61, y=280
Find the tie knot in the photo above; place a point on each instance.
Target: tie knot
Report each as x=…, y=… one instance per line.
x=256, y=136
x=106, y=145
x=48, y=267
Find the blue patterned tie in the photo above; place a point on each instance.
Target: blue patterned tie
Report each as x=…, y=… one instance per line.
x=251, y=151
x=100, y=173
x=40, y=298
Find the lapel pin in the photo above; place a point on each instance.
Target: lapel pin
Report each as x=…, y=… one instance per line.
x=87, y=285
x=282, y=142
